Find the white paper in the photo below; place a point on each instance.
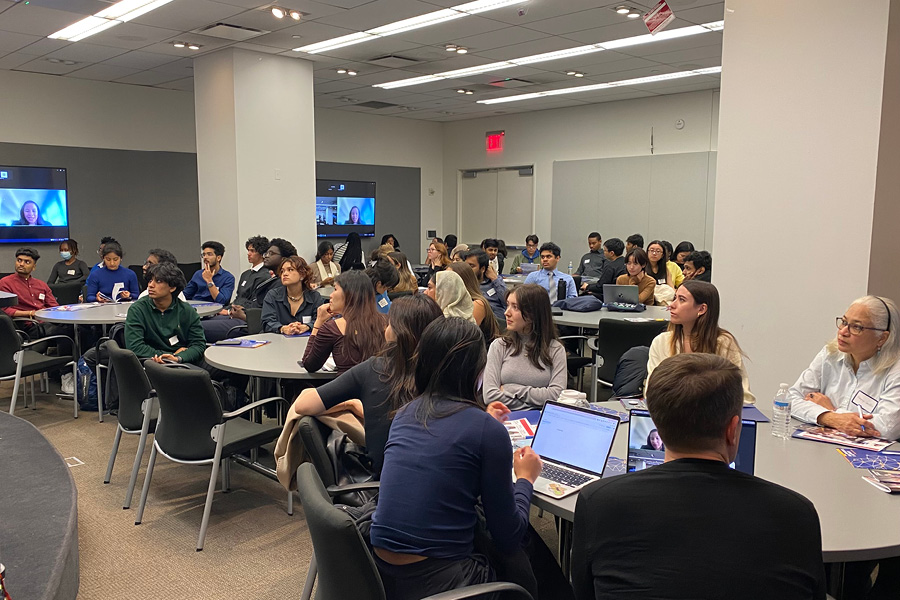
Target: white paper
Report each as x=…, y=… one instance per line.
x=116, y=289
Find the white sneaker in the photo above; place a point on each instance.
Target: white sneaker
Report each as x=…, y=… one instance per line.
x=68, y=383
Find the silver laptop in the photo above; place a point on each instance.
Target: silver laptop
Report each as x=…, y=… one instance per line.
x=574, y=445
x=625, y=294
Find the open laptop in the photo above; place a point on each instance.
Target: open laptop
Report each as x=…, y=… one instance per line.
x=574, y=444
x=624, y=294
x=645, y=448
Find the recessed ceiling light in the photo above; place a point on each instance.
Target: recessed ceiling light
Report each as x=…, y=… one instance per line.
x=351, y=73
x=341, y=71
x=462, y=50
x=54, y=60
x=120, y=12
x=179, y=44
x=460, y=91
x=623, y=10
x=278, y=12
x=570, y=72
x=579, y=74
x=634, y=15
x=465, y=91
x=193, y=47
x=451, y=47
x=295, y=15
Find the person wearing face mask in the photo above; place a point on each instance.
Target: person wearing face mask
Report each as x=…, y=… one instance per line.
x=70, y=269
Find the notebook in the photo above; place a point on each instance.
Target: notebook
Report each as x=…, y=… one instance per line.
x=646, y=448
x=574, y=444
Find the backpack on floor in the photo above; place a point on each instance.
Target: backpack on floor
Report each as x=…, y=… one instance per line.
x=86, y=387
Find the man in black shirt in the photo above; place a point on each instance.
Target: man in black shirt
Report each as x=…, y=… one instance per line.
x=615, y=266
x=698, y=265
x=692, y=527
x=591, y=264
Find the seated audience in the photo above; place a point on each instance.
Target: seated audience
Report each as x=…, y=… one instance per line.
x=694, y=327
x=481, y=310
x=325, y=269
x=451, y=241
x=697, y=542
x=635, y=240
x=291, y=308
x=660, y=268
x=162, y=327
x=436, y=258
x=452, y=296
x=383, y=383
x=527, y=366
x=349, y=255
x=349, y=327
x=698, y=265
x=682, y=250
x=390, y=239
x=212, y=283
x=279, y=249
x=591, y=264
x=858, y=371
x=384, y=277
x=251, y=291
x=548, y=277
x=380, y=252
x=101, y=282
x=154, y=257
x=103, y=241
x=446, y=456
x=33, y=294
x=528, y=255
x=455, y=254
x=408, y=281
x=492, y=286
x=612, y=270
x=492, y=247
x=635, y=264
x=438, y=240
x=70, y=269
x=670, y=251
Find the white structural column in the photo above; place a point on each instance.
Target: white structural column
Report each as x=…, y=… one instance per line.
x=801, y=116
x=255, y=151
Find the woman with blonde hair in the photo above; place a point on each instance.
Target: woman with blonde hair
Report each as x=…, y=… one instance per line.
x=437, y=258
x=481, y=311
x=408, y=282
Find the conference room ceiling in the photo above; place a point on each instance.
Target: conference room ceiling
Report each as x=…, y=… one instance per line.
x=141, y=51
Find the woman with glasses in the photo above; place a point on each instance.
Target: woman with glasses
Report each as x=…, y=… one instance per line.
x=660, y=268
x=694, y=327
x=853, y=383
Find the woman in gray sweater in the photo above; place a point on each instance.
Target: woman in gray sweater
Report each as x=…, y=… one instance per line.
x=527, y=366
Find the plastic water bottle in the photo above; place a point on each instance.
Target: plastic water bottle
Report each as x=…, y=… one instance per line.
x=570, y=267
x=781, y=413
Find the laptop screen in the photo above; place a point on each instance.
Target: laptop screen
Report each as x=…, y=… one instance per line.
x=646, y=448
x=576, y=437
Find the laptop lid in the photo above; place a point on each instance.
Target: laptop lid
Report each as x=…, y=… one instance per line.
x=626, y=294
x=646, y=448
x=575, y=437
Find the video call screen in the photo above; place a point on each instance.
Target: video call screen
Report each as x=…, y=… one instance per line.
x=33, y=205
x=343, y=207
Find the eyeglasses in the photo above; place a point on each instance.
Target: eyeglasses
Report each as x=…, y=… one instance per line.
x=855, y=329
x=270, y=253
x=654, y=251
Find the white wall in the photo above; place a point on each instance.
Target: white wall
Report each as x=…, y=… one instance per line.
x=611, y=129
x=61, y=111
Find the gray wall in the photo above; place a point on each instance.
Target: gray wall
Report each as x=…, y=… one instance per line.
x=398, y=203
x=143, y=199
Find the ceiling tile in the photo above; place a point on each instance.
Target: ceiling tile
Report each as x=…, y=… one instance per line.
x=345, y=3
x=370, y=50
x=451, y=31
x=715, y=11
x=84, y=52
x=539, y=46
x=16, y=59
x=146, y=78
x=258, y=48
x=206, y=43
x=577, y=21
x=688, y=56
x=377, y=13
x=507, y=36
x=132, y=36
x=102, y=72
x=36, y=20
x=539, y=11
x=310, y=32
x=712, y=38
x=335, y=86
x=84, y=7
x=185, y=85
x=10, y=41
x=138, y=59
x=596, y=35
x=42, y=65
x=186, y=16
x=182, y=67
x=244, y=3
x=44, y=46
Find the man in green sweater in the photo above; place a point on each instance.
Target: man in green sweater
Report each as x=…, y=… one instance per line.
x=161, y=327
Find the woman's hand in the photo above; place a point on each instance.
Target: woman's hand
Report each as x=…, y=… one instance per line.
x=498, y=410
x=849, y=423
x=323, y=314
x=527, y=464
x=125, y=294
x=327, y=281
x=820, y=399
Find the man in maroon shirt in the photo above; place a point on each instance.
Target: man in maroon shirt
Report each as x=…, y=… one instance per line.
x=33, y=293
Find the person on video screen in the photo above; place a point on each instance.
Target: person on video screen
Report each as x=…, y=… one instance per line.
x=30, y=215
x=654, y=442
x=354, y=217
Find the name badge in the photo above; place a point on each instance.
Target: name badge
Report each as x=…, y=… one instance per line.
x=491, y=292
x=383, y=302
x=305, y=320
x=587, y=261
x=70, y=272
x=866, y=402
x=40, y=296
x=173, y=340
x=243, y=283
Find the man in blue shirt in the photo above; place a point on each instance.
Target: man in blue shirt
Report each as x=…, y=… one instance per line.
x=212, y=283
x=549, y=276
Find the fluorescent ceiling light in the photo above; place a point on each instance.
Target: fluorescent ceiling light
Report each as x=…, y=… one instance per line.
x=426, y=20
x=120, y=12
x=567, y=53
x=604, y=86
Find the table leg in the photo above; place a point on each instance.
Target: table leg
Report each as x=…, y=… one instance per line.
x=565, y=547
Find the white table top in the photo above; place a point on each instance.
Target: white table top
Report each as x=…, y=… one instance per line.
x=858, y=521
x=591, y=319
x=512, y=281
x=102, y=314
x=277, y=359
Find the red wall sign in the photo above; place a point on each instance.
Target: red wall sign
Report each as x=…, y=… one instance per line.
x=494, y=141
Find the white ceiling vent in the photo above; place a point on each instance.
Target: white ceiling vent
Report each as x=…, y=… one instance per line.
x=234, y=33
x=392, y=61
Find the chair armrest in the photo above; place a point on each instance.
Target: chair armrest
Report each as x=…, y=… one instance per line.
x=48, y=338
x=480, y=589
x=235, y=328
x=334, y=490
x=26, y=319
x=251, y=406
x=593, y=343
x=97, y=346
x=573, y=337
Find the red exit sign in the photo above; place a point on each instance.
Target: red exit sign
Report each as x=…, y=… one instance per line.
x=494, y=141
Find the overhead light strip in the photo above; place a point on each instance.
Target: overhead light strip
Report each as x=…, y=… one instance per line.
x=548, y=56
x=120, y=12
x=426, y=20
x=604, y=86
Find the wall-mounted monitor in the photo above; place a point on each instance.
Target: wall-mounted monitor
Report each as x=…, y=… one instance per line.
x=345, y=206
x=33, y=205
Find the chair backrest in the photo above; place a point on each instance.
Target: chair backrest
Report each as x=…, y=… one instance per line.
x=189, y=269
x=66, y=293
x=10, y=343
x=254, y=320
x=134, y=387
x=615, y=337
x=188, y=410
x=314, y=435
x=346, y=568
x=394, y=295
x=138, y=270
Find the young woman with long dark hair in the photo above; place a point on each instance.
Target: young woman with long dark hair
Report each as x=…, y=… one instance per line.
x=527, y=366
x=291, y=307
x=636, y=274
x=350, y=253
x=325, y=269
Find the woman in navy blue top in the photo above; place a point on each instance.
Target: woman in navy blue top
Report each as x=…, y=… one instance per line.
x=444, y=453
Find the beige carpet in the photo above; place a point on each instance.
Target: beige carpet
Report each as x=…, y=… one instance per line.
x=253, y=548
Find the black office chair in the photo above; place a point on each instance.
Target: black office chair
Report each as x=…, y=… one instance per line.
x=138, y=270
x=116, y=333
x=345, y=567
x=17, y=360
x=66, y=293
x=614, y=338
x=138, y=411
x=193, y=429
x=189, y=269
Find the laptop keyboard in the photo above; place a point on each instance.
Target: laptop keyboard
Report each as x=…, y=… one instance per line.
x=565, y=476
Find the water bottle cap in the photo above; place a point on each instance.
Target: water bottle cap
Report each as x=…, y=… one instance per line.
x=784, y=385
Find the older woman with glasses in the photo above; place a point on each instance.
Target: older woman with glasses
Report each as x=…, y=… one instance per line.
x=853, y=384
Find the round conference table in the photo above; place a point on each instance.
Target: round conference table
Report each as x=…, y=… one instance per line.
x=589, y=320
x=277, y=359
x=106, y=313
